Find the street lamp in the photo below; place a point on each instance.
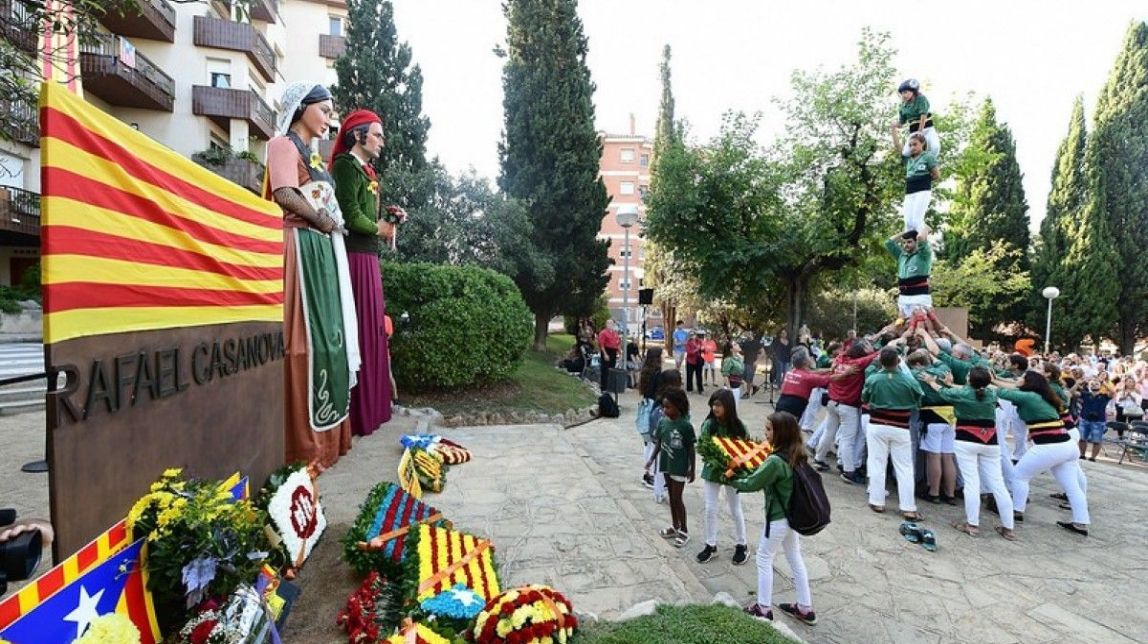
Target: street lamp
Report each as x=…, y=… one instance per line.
x=626, y=217
x=1050, y=293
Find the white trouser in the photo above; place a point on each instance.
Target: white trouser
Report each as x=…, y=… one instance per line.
x=909, y=304
x=1061, y=459
x=885, y=442
x=1009, y=422
x=819, y=433
x=780, y=536
x=1081, y=479
x=860, y=445
x=811, y=410
x=848, y=420
x=659, y=478
x=913, y=209
x=736, y=396
x=711, y=491
x=932, y=142
x=980, y=467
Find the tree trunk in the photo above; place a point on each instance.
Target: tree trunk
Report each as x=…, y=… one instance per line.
x=795, y=298
x=668, y=313
x=1127, y=337
x=541, y=325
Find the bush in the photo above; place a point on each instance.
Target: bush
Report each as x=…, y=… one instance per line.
x=830, y=313
x=467, y=325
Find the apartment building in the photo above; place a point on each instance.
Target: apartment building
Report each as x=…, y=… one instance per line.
x=202, y=78
x=625, y=169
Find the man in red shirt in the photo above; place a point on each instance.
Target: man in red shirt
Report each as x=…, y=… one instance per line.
x=844, y=408
x=609, y=345
x=694, y=362
x=799, y=383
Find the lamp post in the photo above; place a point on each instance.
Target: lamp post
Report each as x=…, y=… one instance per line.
x=1050, y=293
x=626, y=217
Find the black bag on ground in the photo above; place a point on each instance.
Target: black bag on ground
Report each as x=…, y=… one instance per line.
x=607, y=408
x=808, y=511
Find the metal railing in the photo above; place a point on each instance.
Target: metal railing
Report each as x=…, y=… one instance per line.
x=109, y=46
x=237, y=36
x=22, y=120
x=20, y=211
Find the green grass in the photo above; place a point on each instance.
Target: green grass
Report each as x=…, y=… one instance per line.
x=535, y=386
x=694, y=624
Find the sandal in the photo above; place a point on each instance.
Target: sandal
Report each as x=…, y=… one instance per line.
x=963, y=526
x=929, y=540
x=879, y=509
x=912, y=516
x=949, y=500
x=934, y=499
x=668, y=533
x=911, y=531
x=681, y=540
x=1006, y=533
x=1059, y=496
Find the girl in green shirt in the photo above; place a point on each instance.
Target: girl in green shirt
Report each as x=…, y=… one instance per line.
x=724, y=423
x=775, y=478
x=674, y=448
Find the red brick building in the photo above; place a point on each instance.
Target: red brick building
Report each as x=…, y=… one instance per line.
x=625, y=169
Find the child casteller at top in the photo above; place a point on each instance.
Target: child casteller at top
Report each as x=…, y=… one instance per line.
x=914, y=111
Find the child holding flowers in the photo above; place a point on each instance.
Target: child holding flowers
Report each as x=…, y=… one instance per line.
x=674, y=448
x=723, y=422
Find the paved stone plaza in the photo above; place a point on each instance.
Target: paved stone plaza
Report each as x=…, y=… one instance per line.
x=565, y=507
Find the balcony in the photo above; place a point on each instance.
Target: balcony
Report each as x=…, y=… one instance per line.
x=138, y=84
x=17, y=26
x=331, y=46
x=22, y=120
x=19, y=215
x=151, y=19
x=222, y=104
x=237, y=36
x=265, y=10
x=246, y=173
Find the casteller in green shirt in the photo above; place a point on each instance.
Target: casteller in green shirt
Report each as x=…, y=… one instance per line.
x=775, y=478
x=892, y=390
x=912, y=111
x=911, y=265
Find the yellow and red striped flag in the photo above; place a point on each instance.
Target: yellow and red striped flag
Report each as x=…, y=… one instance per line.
x=59, y=49
x=136, y=237
x=742, y=453
x=447, y=557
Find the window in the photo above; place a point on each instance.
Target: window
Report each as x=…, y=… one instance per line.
x=219, y=71
x=626, y=188
x=335, y=25
x=644, y=160
x=625, y=252
x=643, y=191
x=220, y=79
x=624, y=285
x=627, y=155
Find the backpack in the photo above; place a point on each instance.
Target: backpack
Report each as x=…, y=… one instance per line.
x=607, y=408
x=808, y=511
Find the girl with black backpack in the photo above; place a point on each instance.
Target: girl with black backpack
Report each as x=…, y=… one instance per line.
x=775, y=477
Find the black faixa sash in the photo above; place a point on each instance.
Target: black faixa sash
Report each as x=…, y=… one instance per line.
x=317, y=173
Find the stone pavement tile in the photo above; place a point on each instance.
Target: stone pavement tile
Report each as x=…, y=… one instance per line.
x=1082, y=628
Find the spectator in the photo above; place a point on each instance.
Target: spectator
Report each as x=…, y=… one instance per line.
x=680, y=337
x=709, y=359
x=609, y=345
x=1094, y=405
x=782, y=352
x=733, y=370
x=751, y=349
x=694, y=362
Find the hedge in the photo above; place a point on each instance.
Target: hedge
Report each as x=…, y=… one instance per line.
x=466, y=325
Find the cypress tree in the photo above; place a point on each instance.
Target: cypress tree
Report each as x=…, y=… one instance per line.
x=1076, y=252
x=990, y=206
x=659, y=265
x=1117, y=153
x=376, y=72
x=549, y=155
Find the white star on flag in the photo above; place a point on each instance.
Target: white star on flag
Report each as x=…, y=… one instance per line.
x=86, y=612
x=464, y=597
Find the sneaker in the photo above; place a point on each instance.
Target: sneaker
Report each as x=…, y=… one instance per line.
x=740, y=554
x=755, y=610
x=648, y=480
x=821, y=466
x=707, y=554
x=853, y=478
x=809, y=617
x=681, y=540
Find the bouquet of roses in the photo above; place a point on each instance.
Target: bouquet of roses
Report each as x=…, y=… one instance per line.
x=395, y=215
x=244, y=619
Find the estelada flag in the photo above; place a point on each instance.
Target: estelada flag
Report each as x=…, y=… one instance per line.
x=116, y=585
x=396, y=515
x=447, y=558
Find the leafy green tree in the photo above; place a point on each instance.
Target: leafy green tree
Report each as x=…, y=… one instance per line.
x=549, y=156
x=978, y=281
x=762, y=226
x=1076, y=251
x=377, y=73
x=1117, y=152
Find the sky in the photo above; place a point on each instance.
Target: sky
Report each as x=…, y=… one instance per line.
x=1032, y=57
